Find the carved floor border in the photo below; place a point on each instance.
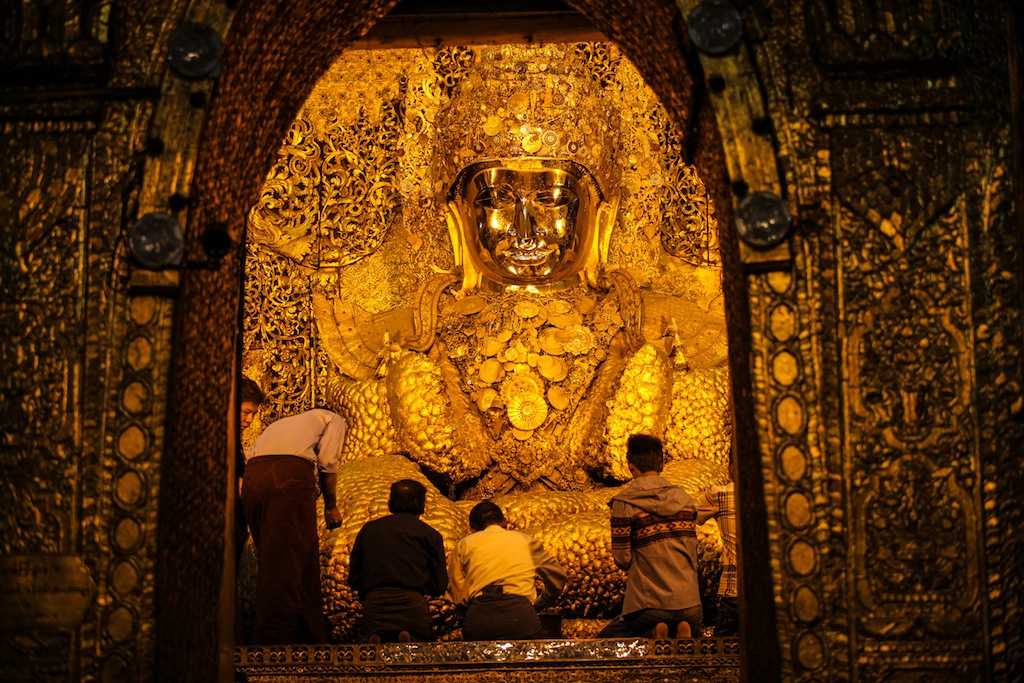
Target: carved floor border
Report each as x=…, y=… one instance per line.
x=714, y=660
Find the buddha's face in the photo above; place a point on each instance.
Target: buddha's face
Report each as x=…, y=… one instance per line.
x=529, y=223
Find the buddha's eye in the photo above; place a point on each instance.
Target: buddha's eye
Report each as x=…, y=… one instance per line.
x=496, y=197
x=504, y=195
x=547, y=198
x=556, y=196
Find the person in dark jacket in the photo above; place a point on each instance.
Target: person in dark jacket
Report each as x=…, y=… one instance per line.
x=395, y=562
x=654, y=540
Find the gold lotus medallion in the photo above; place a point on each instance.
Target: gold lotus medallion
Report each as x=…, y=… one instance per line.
x=578, y=340
x=526, y=309
x=550, y=341
x=527, y=410
x=521, y=383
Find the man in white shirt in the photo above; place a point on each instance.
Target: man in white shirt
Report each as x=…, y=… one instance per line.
x=279, y=490
x=492, y=574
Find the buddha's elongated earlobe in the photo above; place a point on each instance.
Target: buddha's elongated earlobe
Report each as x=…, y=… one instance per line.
x=604, y=223
x=460, y=247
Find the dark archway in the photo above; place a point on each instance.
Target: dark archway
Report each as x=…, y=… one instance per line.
x=274, y=55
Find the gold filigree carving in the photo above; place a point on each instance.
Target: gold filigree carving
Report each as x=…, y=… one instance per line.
x=913, y=391
x=285, y=219
x=915, y=548
x=331, y=197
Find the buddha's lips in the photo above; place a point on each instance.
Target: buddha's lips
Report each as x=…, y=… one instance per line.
x=533, y=255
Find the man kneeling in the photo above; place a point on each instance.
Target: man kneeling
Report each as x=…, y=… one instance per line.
x=396, y=561
x=491, y=573
x=654, y=540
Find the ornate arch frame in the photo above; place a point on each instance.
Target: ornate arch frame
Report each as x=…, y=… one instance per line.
x=269, y=60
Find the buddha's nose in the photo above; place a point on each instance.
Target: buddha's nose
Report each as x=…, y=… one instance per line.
x=522, y=222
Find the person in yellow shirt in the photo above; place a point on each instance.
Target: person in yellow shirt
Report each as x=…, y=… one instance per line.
x=492, y=575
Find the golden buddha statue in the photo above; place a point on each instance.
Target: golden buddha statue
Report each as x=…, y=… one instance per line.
x=519, y=373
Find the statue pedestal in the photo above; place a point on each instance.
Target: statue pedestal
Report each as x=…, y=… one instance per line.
x=715, y=660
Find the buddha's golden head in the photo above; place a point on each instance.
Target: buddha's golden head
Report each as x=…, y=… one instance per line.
x=527, y=149
x=528, y=221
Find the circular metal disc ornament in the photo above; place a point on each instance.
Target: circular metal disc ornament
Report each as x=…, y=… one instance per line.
x=527, y=411
x=156, y=241
x=195, y=51
x=715, y=27
x=762, y=220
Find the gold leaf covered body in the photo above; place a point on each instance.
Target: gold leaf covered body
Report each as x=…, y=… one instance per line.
x=640, y=405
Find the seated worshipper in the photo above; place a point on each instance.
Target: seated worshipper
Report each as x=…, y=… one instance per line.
x=492, y=574
x=654, y=540
x=720, y=503
x=395, y=561
x=279, y=491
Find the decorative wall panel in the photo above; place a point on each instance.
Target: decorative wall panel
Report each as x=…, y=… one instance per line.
x=85, y=368
x=56, y=43
x=45, y=582
x=893, y=259
x=78, y=485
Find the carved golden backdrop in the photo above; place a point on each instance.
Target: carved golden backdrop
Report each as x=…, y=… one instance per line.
x=877, y=374
x=351, y=210
x=350, y=276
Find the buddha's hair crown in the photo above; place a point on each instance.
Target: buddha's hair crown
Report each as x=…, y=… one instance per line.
x=550, y=101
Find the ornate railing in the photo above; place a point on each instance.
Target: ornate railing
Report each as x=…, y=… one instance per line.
x=715, y=660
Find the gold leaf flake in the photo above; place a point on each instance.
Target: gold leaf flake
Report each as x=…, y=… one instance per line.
x=489, y=370
x=526, y=309
x=558, y=398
